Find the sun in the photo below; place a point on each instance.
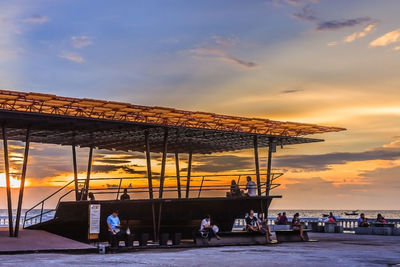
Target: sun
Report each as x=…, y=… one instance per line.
x=14, y=183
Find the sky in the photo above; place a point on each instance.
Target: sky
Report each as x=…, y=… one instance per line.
x=333, y=63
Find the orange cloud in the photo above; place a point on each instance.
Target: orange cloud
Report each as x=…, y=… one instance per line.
x=387, y=39
x=357, y=35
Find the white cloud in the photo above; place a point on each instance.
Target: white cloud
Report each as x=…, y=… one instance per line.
x=37, y=19
x=357, y=35
x=397, y=48
x=81, y=41
x=72, y=57
x=386, y=39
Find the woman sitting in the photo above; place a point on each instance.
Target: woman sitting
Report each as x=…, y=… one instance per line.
x=296, y=225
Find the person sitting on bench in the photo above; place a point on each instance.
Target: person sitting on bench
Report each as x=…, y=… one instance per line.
x=207, y=229
x=380, y=218
x=125, y=195
x=362, y=221
x=235, y=190
x=278, y=218
x=113, y=225
x=331, y=218
x=251, y=187
x=264, y=227
x=296, y=225
x=252, y=224
x=283, y=220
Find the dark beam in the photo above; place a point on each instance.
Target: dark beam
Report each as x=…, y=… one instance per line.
x=163, y=161
x=22, y=185
x=148, y=160
x=85, y=192
x=8, y=187
x=178, y=175
x=257, y=163
x=270, y=150
x=189, y=170
x=75, y=173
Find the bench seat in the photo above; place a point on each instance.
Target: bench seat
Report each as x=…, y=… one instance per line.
x=232, y=238
x=291, y=235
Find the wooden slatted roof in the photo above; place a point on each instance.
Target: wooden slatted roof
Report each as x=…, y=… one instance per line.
x=121, y=126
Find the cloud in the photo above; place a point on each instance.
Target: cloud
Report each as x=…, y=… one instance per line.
x=37, y=19
x=397, y=48
x=357, y=35
x=331, y=44
x=218, y=50
x=333, y=25
x=386, y=39
x=323, y=161
x=291, y=91
x=214, y=164
x=72, y=57
x=81, y=41
x=306, y=14
x=293, y=2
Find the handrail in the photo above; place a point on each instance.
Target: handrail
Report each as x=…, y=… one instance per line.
x=117, y=189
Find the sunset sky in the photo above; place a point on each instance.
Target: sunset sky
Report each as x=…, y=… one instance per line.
x=333, y=63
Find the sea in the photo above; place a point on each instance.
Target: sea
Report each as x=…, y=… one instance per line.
x=388, y=214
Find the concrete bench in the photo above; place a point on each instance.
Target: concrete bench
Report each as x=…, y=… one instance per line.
x=381, y=230
x=396, y=231
x=277, y=227
x=291, y=235
x=329, y=227
x=363, y=231
x=232, y=238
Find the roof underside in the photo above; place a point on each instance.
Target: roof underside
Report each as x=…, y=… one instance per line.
x=121, y=126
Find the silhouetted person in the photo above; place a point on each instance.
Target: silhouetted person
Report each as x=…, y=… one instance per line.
x=251, y=187
x=125, y=195
x=91, y=196
x=362, y=221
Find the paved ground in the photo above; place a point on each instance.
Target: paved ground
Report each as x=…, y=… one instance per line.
x=30, y=240
x=331, y=250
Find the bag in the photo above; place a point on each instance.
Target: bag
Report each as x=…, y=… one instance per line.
x=215, y=229
x=203, y=234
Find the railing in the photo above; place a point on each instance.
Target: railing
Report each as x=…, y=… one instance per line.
x=348, y=224
x=198, y=185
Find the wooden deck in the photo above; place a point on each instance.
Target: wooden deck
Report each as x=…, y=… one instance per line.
x=30, y=241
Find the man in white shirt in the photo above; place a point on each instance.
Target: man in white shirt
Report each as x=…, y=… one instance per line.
x=251, y=187
x=208, y=229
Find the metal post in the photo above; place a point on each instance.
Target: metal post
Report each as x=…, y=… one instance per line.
x=201, y=186
x=119, y=188
x=22, y=186
x=178, y=175
x=257, y=165
x=163, y=161
x=75, y=173
x=270, y=149
x=85, y=192
x=189, y=170
x=148, y=159
x=8, y=187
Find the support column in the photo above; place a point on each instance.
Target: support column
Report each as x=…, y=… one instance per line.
x=257, y=163
x=163, y=161
x=148, y=159
x=189, y=170
x=270, y=150
x=8, y=187
x=22, y=186
x=85, y=192
x=178, y=175
x=75, y=173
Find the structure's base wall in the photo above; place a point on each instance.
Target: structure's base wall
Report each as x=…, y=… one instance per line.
x=153, y=216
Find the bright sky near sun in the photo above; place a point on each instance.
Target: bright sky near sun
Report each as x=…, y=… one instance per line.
x=319, y=61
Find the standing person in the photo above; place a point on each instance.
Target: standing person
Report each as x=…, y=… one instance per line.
x=113, y=225
x=125, y=195
x=207, y=228
x=296, y=225
x=283, y=220
x=362, y=221
x=251, y=187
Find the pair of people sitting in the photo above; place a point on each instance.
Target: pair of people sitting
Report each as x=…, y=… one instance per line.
x=362, y=221
x=251, y=188
x=258, y=224
x=281, y=219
